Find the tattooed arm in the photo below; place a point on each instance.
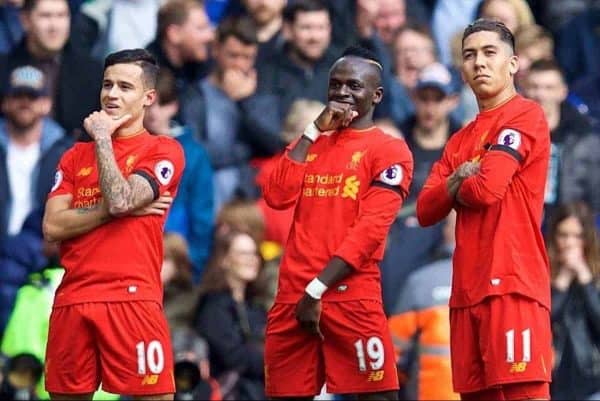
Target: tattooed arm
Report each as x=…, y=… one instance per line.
x=62, y=223
x=121, y=195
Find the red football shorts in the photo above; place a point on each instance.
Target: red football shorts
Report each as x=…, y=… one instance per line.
x=356, y=355
x=126, y=346
x=502, y=341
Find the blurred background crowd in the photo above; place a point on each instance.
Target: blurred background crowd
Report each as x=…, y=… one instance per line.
x=239, y=80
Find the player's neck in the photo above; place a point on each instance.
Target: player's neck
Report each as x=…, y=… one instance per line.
x=498, y=100
x=129, y=130
x=362, y=123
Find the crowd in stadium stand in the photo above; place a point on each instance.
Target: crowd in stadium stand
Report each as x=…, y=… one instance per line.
x=239, y=81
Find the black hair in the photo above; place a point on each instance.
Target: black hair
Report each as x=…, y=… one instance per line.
x=26, y=363
x=362, y=52
x=482, y=24
x=367, y=55
x=140, y=57
x=296, y=6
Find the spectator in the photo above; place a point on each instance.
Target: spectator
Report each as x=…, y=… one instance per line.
x=192, y=212
x=574, y=252
x=426, y=133
x=11, y=30
x=301, y=68
x=182, y=44
x=449, y=18
x=241, y=215
x=73, y=78
x=533, y=42
x=574, y=169
x=105, y=26
x=268, y=17
x=514, y=14
x=238, y=124
x=31, y=144
x=236, y=338
x=176, y=277
x=390, y=18
x=419, y=324
x=413, y=50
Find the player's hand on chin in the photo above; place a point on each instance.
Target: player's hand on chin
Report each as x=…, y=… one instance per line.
x=101, y=125
x=334, y=116
x=308, y=314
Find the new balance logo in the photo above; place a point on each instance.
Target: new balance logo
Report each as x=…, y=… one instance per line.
x=149, y=380
x=518, y=367
x=84, y=172
x=376, y=376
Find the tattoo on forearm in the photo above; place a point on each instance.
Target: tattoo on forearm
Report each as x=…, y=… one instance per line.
x=87, y=210
x=115, y=188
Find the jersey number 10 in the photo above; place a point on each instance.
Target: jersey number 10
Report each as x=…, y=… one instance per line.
x=152, y=357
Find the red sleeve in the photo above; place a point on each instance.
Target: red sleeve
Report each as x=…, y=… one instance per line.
x=63, y=178
x=283, y=187
x=434, y=202
x=393, y=167
x=163, y=166
x=512, y=149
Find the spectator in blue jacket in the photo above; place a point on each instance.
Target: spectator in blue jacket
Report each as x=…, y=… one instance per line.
x=192, y=212
x=31, y=145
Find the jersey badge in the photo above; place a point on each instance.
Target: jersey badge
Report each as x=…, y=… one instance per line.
x=392, y=175
x=164, y=171
x=58, y=177
x=510, y=137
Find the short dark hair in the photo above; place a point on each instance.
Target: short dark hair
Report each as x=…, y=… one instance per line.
x=140, y=57
x=362, y=52
x=242, y=28
x=546, y=65
x=29, y=5
x=174, y=12
x=482, y=25
x=297, y=6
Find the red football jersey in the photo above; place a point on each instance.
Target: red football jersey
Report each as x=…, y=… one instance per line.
x=499, y=244
x=348, y=192
x=119, y=260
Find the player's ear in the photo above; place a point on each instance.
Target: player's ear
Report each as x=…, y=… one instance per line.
x=378, y=95
x=149, y=97
x=513, y=66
